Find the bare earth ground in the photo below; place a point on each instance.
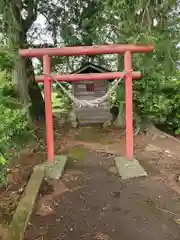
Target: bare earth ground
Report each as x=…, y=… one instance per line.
x=92, y=202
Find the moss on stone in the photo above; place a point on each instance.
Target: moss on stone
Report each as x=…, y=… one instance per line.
x=106, y=141
x=94, y=134
x=77, y=153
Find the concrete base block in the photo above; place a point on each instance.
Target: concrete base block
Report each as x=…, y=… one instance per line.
x=55, y=169
x=129, y=168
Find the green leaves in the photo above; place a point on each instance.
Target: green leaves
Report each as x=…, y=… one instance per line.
x=13, y=126
x=157, y=98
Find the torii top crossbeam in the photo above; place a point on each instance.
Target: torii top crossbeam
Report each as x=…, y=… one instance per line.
x=85, y=50
x=125, y=49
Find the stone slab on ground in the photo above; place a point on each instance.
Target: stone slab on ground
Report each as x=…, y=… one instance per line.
x=129, y=168
x=25, y=207
x=55, y=169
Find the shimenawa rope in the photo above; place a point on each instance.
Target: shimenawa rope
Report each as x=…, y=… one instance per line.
x=89, y=103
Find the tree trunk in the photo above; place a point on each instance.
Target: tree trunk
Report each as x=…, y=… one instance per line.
x=23, y=72
x=28, y=89
x=119, y=122
x=37, y=108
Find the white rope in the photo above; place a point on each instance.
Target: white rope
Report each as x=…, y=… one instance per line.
x=88, y=103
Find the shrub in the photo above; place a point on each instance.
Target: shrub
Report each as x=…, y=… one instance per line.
x=157, y=98
x=13, y=129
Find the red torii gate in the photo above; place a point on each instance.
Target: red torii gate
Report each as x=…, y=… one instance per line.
x=125, y=49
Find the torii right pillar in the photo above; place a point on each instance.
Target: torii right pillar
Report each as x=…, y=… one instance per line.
x=128, y=167
x=129, y=105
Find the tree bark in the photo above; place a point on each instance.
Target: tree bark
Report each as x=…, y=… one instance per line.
x=28, y=89
x=23, y=72
x=37, y=108
x=119, y=122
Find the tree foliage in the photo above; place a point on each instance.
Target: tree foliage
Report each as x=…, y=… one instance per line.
x=13, y=124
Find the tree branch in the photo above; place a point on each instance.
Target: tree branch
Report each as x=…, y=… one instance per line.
x=47, y=45
x=31, y=8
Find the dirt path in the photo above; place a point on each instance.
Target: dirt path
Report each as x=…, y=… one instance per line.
x=91, y=202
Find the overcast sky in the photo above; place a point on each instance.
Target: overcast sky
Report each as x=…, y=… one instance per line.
x=40, y=33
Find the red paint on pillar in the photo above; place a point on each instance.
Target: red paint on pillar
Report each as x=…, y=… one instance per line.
x=129, y=107
x=48, y=107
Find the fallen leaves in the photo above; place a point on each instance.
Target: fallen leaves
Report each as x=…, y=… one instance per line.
x=102, y=236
